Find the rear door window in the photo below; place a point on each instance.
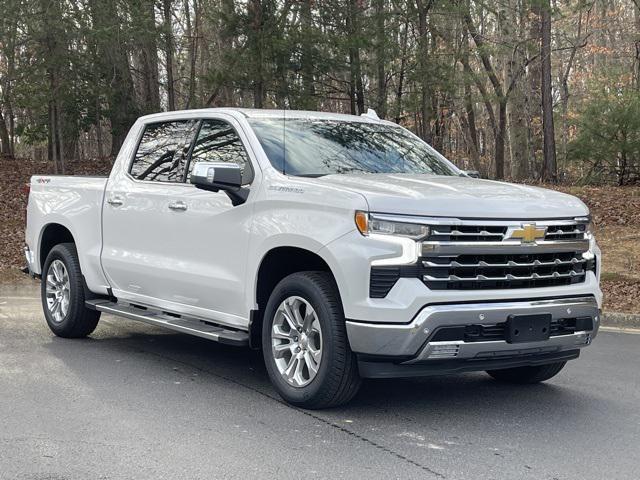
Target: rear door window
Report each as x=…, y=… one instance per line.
x=163, y=150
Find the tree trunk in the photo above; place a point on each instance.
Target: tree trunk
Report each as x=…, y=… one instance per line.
x=7, y=122
x=517, y=111
x=113, y=65
x=357, y=73
x=550, y=170
x=499, y=93
x=60, y=134
x=171, y=95
x=579, y=42
x=193, y=32
x=534, y=99
x=401, y=75
x=98, y=127
x=470, y=122
x=519, y=139
x=52, y=43
x=309, y=100
x=500, y=138
x=147, y=55
x=381, y=104
x=5, y=141
x=423, y=7
x=256, y=44
x=356, y=87
x=636, y=59
x=51, y=137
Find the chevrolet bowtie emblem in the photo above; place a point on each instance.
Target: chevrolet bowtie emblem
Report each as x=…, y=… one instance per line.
x=529, y=233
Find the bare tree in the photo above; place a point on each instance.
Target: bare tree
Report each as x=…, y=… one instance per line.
x=550, y=168
x=168, y=43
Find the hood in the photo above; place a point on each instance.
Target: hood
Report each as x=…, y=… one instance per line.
x=460, y=197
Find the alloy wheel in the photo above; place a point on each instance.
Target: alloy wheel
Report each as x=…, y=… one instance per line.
x=296, y=341
x=58, y=290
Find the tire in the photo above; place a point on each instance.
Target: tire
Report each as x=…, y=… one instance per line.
x=76, y=320
x=527, y=375
x=337, y=379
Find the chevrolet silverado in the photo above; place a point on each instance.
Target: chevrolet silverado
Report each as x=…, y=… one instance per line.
x=343, y=247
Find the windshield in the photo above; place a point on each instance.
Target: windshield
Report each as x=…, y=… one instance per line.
x=322, y=147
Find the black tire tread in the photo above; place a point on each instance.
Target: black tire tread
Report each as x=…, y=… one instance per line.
x=527, y=375
x=82, y=321
x=344, y=381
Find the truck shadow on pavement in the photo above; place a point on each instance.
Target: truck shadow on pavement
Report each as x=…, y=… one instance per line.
x=468, y=400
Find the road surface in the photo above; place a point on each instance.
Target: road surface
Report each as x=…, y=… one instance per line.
x=137, y=402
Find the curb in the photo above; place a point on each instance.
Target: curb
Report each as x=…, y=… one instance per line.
x=620, y=320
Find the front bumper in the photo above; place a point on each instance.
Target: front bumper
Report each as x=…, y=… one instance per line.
x=390, y=350
x=352, y=256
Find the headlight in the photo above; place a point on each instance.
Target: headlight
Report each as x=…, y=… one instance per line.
x=591, y=225
x=385, y=225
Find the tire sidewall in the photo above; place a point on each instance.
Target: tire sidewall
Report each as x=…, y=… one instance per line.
x=301, y=286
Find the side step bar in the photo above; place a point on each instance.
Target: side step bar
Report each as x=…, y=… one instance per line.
x=191, y=326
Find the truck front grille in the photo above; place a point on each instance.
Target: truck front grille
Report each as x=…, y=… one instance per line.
x=472, y=255
x=468, y=272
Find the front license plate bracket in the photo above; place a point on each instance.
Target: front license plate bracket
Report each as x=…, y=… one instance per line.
x=528, y=328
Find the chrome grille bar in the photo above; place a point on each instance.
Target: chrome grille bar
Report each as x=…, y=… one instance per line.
x=449, y=249
x=508, y=277
x=510, y=263
x=575, y=231
x=458, y=233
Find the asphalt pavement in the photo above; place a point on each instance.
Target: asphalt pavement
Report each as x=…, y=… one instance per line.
x=137, y=402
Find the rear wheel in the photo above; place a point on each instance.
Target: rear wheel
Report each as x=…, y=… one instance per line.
x=63, y=294
x=304, y=342
x=524, y=375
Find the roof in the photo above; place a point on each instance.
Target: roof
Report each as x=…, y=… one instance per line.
x=280, y=113
x=266, y=113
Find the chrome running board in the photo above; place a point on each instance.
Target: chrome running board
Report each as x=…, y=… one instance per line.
x=178, y=323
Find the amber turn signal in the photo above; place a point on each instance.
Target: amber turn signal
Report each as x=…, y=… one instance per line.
x=362, y=222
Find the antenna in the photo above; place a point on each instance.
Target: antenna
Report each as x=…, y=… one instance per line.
x=284, y=139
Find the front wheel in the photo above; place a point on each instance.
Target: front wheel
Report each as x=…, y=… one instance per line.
x=524, y=375
x=304, y=342
x=63, y=294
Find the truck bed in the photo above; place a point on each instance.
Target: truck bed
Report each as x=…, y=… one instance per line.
x=75, y=203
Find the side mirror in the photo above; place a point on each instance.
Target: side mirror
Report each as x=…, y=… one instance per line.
x=471, y=173
x=216, y=176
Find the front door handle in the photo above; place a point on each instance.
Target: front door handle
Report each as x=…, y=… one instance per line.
x=115, y=201
x=180, y=206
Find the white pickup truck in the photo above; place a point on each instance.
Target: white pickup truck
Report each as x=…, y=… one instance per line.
x=344, y=247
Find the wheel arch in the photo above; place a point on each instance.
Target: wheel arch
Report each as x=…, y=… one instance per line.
x=52, y=234
x=276, y=264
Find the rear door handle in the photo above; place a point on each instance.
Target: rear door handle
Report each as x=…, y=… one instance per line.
x=115, y=201
x=179, y=206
